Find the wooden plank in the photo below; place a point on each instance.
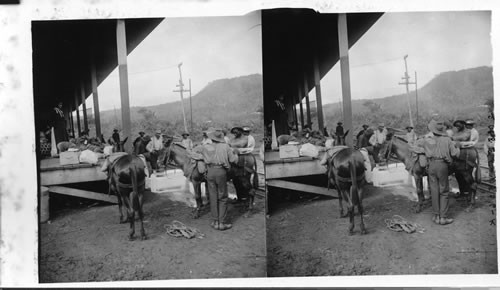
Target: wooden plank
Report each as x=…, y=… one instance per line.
x=83, y=193
x=121, y=43
x=71, y=175
x=292, y=169
x=345, y=76
x=302, y=187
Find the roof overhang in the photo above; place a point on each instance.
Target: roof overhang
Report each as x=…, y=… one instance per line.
x=63, y=52
x=292, y=38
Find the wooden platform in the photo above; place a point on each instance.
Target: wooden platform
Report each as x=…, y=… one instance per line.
x=291, y=167
x=277, y=168
x=54, y=176
x=52, y=173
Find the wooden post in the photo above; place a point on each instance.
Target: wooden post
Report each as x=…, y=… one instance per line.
x=72, y=125
x=97, y=116
x=344, y=74
x=77, y=115
x=308, y=109
x=294, y=110
x=319, y=104
x=121, y=45
x=84, y=106
x=299, y=92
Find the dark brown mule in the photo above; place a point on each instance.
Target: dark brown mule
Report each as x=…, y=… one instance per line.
x=241, y=174
x=118, y=147
x=346, y=170
x=127, y=180
x=177, y=155
x=463, y=167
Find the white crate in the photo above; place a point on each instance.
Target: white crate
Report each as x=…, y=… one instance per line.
x=394, y=174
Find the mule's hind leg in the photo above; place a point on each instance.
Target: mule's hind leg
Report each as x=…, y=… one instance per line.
x=131, y=216
x=141, y=218
x=361, y=209
x=420, y=192
x=199, y=201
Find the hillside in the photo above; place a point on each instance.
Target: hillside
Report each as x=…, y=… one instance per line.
x=221, y=103
x=453, y=95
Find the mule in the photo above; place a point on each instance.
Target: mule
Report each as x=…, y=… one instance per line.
x=177, y=154
x=127, y=181
x=118, y=147
x=346, y=171
x=462, y=167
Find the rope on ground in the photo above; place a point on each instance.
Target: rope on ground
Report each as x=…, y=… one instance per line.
x=399, y=224
x=178, y=230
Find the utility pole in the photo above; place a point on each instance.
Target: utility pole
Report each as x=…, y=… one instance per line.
x=407, y=82
x=181, y=90
x=191, y=106
x=416, y=96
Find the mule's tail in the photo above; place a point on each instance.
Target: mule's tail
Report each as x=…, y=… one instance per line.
x=255, y=180
x=134, y=200
x=354, y=180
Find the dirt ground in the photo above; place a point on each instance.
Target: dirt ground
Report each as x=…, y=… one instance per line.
x=86, y=243
x=306, y=237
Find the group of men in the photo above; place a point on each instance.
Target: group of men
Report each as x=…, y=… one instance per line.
x=441, y=145
x=219, y=152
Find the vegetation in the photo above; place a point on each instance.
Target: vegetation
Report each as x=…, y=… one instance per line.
x=223, y=103
x=464, y=94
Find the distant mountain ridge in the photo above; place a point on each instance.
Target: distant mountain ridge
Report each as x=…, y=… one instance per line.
x=221, y=103
x=453, y=95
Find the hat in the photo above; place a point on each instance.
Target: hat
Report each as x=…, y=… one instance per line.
x=339, y=123
x=458, y=122
x=438, y=128
x=381, y=125
x=365, y=126
x=236, y=128
x=185, y=134
x=141, y=133
x=217, y=136
x=246, y=129
x=158, y=131
x=409, y=127
x=469, y=122
x=115, y=130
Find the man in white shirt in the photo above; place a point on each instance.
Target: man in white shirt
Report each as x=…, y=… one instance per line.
x=377, y=139
x=186, y=141
x=474, y=135
x=153, y=147
x=251, y=139
x=205, y=139
x=411, y=137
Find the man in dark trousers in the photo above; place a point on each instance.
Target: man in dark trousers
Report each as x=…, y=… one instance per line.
x=440, y=151
x=360, y=133
x=218, y=157
x=59, y=124
x=339, y=133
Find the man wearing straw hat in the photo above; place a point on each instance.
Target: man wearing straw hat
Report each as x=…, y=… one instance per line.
x=219, y=156
x=440, y=151
x=153, y=147
x=186, y=141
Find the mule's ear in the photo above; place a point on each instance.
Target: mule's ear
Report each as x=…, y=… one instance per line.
x=125, y=140
x=346, y=132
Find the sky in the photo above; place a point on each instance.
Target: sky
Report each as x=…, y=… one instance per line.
x=209, y=48
x=212, y=48
x=435, y=42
